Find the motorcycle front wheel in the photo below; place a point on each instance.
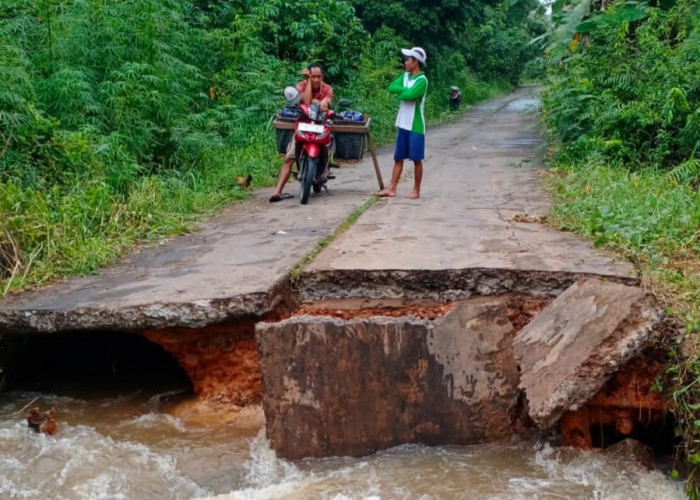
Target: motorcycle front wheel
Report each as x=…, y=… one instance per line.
x=307, y=175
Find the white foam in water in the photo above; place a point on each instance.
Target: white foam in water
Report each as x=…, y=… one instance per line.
x=80, y=463
x=112, y=461
x=155, y=420
x=452, y=473
x=609, y=479
x=264, y=467
x=270, y=478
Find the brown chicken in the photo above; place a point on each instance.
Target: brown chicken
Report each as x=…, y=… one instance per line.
x=244, y=182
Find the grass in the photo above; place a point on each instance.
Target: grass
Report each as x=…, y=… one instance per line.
x=647, y=216
x=78, y=228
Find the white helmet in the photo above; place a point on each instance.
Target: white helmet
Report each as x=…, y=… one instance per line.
x=292, y=96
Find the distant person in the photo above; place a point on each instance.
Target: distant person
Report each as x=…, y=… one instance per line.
x=455, y=98
x=312, y=89
x=410, y=87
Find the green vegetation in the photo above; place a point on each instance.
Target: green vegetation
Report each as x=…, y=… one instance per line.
x=623, y=108
x=122, y=123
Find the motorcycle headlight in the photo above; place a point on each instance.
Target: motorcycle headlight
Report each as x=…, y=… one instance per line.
x=314, y=111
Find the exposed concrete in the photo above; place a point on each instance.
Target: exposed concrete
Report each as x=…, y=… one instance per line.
x=440, y=285
x=570, y=349
x=335, y=387
x=235, y=267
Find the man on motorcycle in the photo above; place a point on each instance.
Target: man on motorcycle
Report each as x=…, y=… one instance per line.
x=312, y=89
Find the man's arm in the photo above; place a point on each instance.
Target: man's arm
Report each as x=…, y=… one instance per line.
x=304, y=89
x=417, y=91
x=396, y=87
x=327, y=99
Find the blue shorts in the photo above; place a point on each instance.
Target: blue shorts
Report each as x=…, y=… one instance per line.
x=409, y=145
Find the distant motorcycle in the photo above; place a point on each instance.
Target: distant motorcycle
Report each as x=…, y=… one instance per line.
x=455, y=98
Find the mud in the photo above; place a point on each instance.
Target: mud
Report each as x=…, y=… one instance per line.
x=221, y=361
x=630, y=404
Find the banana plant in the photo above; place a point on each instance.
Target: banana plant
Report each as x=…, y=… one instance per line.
x=571, y=19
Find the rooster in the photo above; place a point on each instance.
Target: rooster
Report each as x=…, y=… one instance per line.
x=244, y=182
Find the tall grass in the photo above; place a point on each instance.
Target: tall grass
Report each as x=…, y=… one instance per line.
x=622, y=103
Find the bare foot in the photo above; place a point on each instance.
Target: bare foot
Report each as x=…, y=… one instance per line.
x=386, y=193
x=413, y=195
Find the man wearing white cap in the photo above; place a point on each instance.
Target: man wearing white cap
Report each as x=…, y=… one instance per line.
x=410, y=87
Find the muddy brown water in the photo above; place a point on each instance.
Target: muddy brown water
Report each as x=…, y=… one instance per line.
x=131, y=447
x=128, y=429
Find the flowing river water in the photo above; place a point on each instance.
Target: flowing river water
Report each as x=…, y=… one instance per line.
x=131, y=447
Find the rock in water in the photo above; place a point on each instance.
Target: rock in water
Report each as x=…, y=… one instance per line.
x=630, y=450
x=42, y=421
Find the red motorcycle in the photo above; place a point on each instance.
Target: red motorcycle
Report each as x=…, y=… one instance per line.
x=313, y=138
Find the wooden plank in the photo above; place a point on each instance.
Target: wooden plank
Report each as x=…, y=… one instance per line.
x=351, y=129
x=345, y=128
x=282, y=125
x=372, y=153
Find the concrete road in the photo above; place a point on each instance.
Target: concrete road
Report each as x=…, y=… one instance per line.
x=479, y=174
x=479, y=196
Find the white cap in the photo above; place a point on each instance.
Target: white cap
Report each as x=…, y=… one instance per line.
x=416, y=52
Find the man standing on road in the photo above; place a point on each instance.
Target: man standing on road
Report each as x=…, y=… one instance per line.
x=312, y=89
x=410, y=87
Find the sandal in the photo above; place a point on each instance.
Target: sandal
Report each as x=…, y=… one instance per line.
x=277, y=197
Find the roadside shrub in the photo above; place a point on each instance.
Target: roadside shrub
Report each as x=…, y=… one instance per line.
x=628, y=90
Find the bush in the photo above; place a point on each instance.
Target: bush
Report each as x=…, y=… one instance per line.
x=629, y=90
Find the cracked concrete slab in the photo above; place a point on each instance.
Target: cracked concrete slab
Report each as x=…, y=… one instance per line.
x=234, y=266
x=336, y=387
x=575, y=344
x=478, y=175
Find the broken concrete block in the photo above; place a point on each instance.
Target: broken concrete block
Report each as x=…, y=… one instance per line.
x=570, y=349
x=336, y=387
